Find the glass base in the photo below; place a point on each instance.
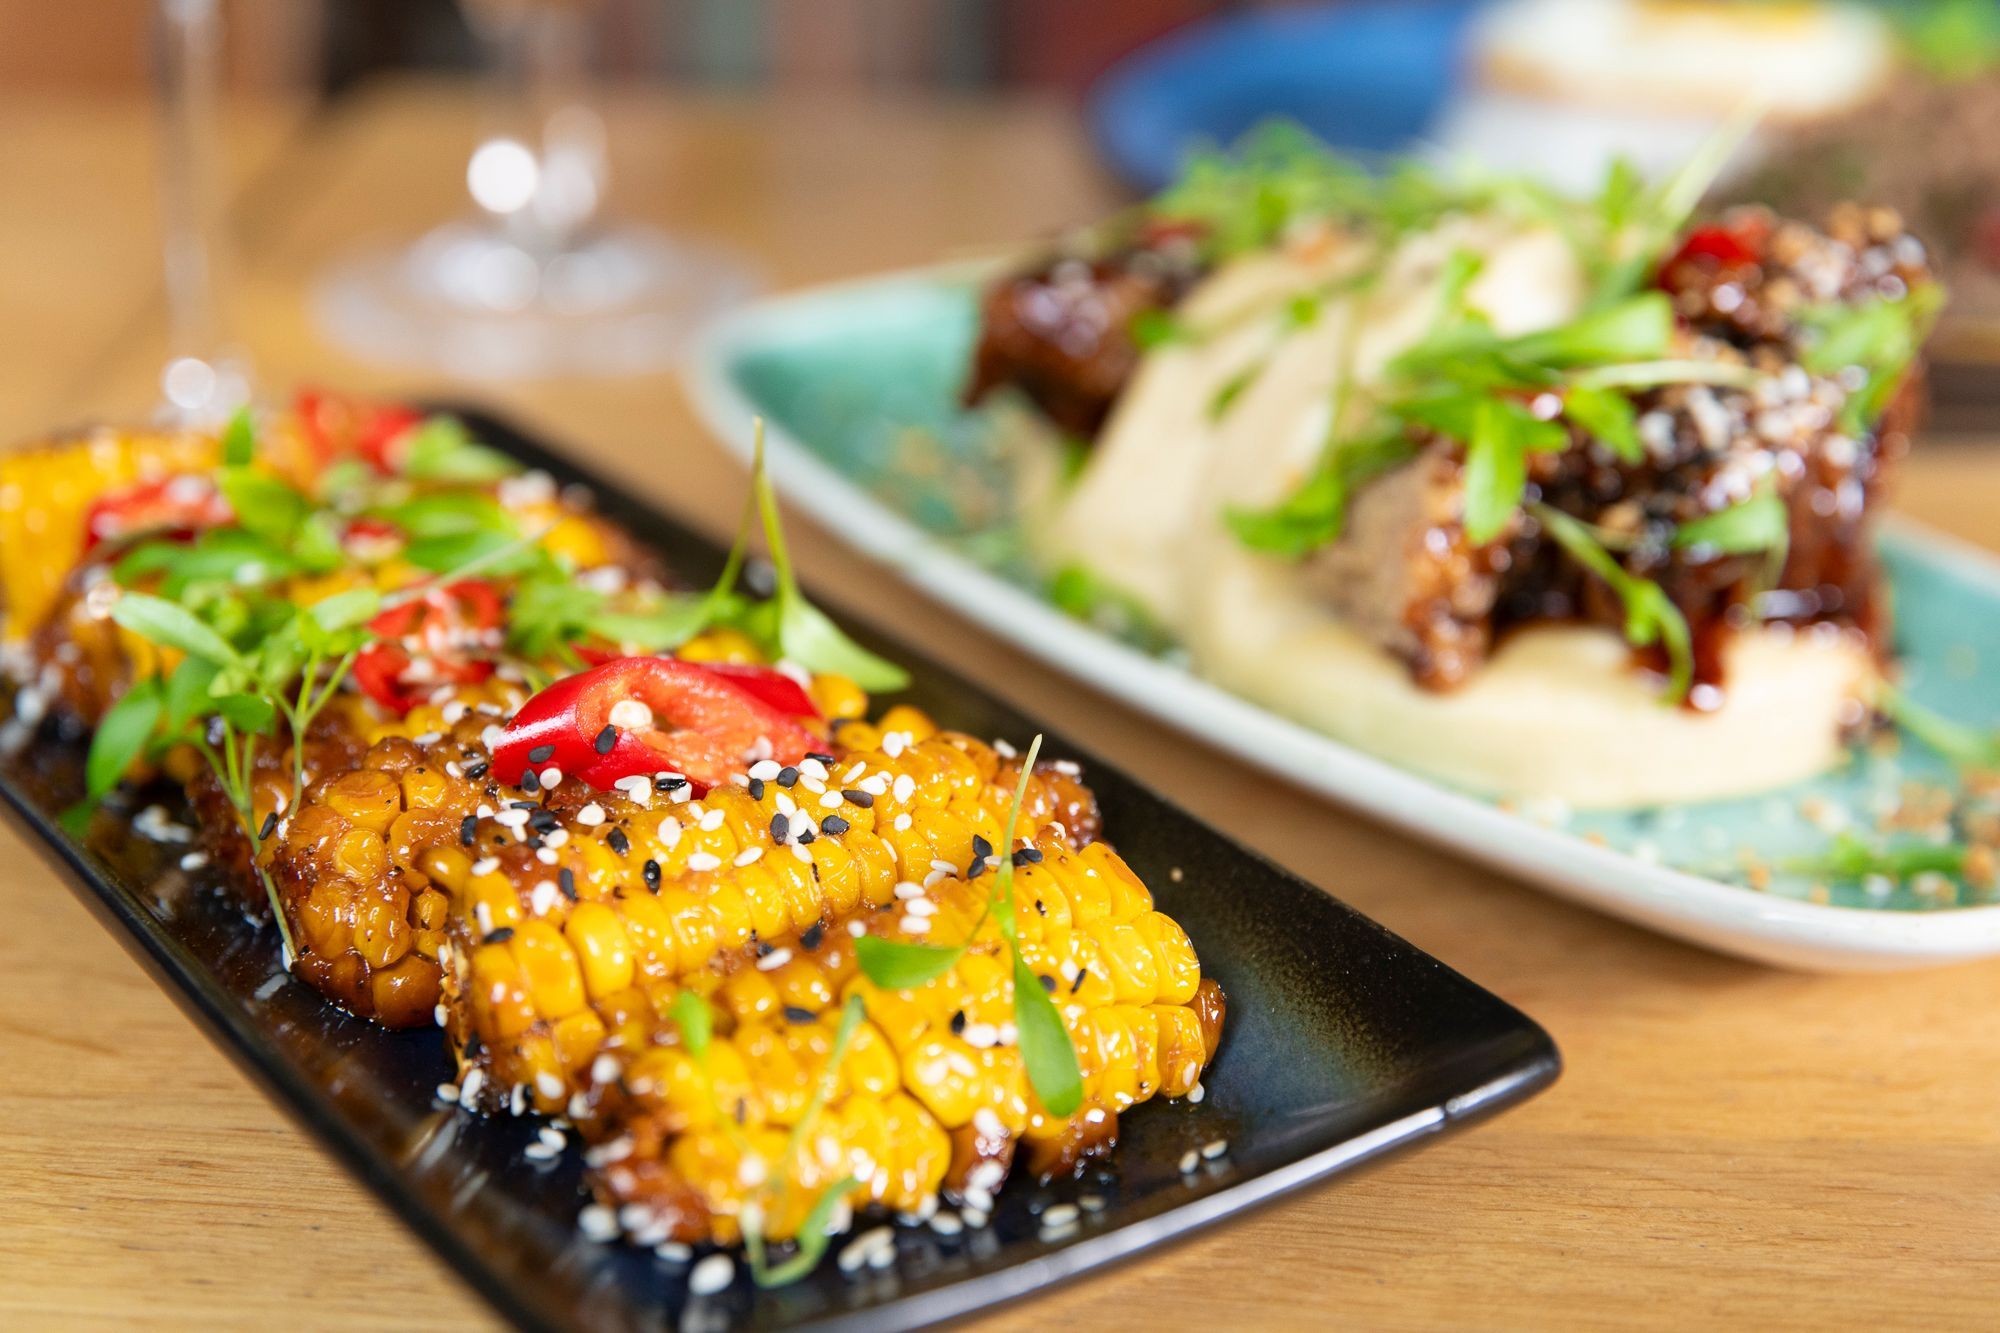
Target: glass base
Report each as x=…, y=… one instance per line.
x=468, y=300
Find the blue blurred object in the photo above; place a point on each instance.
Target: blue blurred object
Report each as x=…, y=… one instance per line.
x=1367, y=77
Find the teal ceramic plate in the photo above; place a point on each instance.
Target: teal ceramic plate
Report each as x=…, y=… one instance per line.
x=860, y=385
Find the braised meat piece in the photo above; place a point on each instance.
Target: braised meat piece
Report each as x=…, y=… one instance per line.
x=1063, y=333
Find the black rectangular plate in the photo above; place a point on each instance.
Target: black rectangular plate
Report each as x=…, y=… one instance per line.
x=1343, y=1043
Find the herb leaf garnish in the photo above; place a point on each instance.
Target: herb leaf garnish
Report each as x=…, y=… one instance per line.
x=1650, y=615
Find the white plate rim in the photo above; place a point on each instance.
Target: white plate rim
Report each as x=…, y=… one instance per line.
x=1785, y=932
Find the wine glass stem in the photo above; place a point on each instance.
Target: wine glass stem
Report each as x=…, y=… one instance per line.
x=189, y=37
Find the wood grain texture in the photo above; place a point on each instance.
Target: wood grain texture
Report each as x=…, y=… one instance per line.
x=1729, y=1144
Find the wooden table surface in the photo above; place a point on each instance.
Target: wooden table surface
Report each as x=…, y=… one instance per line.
x=1729, y=1143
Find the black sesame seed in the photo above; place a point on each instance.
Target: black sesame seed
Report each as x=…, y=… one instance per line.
x=523, y=805
x=787, y=776
x=1027, y=856
x=541, y=754
x=607, y=738
x=529, y=781
x=807, y=837
x=543, y=821
x=668, y=781
x=468, y=829
x=618, y=842
x=566, y=881
x=473, y=1045
x=957, y=1022
x=820, y=755
x=981, y=848
x=652, y=873
x=813, y=934
x=1048, y=982
x=501, y=936
x=475, y=771
x=756, y=789
x=855, y=797
x=834, y=824
x=794, y=1014
x=781, y=827
x=1041, y=908
x=759, y=947
x=1076, y=985
x=270, y=823
x=977, y=868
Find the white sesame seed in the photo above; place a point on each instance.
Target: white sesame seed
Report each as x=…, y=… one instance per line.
x=945, y=866
x=591, y=815
x=670, y=832
x=604, y=1069
x=699, y=861
x=486, y=865
x=812, y=768
x=597, y=1222
x=1196, y=1094
x=1189, y=1161
x=774, y=960
x=856, y=929
x=916, y=925
x=985, y=1177
x=555, y=837
x=801, y=855
x=947, y=1224
x=638, y=789
x=630, y=715
x=551, y=778
x=546, y=855
x=548, y=1084
x=905, y=788
x=988, y=1124
x=469, y=1086
x=711, y=1275
x=1215, y=1149
x=978, y=1200
x=921, y=907
x=974, y=1217
x=765, y=769
x=847, y=778
x=909, y=889
x=748, y=856
x=831, y=801
x=894, y=743
x=712, y=820
x=448, y=1093
x=1062, y=1215
x=980, y=1035
x=903, y=822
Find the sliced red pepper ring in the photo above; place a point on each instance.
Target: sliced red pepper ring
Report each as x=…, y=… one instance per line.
x=450, y=629
x=774, y=687
x=175, y=506
x=339, y=426
x=640, y=716
x=1734, y=245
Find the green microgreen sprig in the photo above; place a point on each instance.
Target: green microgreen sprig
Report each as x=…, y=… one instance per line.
x=1965, y=745
x=691, y=1014
x=1046, y=1049
x=1650, y=615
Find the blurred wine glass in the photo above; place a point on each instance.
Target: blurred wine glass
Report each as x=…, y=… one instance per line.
x=536, y=281
x=206, y=377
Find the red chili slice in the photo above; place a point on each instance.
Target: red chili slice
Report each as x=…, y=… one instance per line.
x=174, y=506
x=1735, y=244
x=771, y=685
x=694, y=721
x=339, y=426
x=449, y=628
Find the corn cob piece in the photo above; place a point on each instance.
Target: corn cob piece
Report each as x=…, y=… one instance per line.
x=932, y=1094
x=45, y=493
x=577, y=916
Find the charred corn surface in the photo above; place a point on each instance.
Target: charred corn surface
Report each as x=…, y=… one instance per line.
x=932, y=1094
x=581, y=913
x=45, y=494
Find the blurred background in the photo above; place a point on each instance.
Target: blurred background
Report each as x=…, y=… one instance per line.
x=512, y=192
